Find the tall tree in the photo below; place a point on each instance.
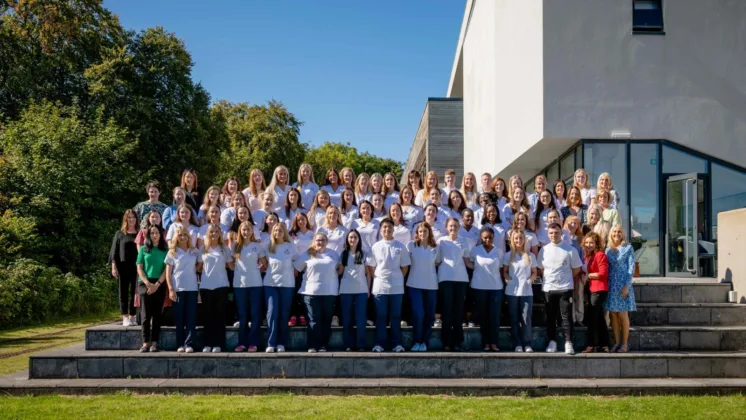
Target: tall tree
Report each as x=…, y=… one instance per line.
x=339, y=155
x=260, y=136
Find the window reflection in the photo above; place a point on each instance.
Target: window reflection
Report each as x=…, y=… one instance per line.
x=611, y=158
x=678, y=162
x=728, y=193
x=645, y=217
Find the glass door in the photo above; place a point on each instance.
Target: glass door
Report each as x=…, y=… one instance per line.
x=684, y=225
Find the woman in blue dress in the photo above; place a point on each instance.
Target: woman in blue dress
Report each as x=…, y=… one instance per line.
x=621, y=294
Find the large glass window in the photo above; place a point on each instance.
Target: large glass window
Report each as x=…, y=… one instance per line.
x=567, y=167
x=678, y=162
x=552, y=173
x=611, y=158
x=728, y=193
x=644, y=216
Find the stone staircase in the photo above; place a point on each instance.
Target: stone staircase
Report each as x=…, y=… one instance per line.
x=685, y=338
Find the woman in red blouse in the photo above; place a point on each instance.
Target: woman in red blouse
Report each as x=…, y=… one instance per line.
x=597, y=269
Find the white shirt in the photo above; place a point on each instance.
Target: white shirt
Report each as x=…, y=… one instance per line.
x=422, y=274
x=519, y=272
x=472, y=201
x=349, y=216
x=451, y=256
x=279, y=198
x=438, y=228
x=531, y=240
x=193, y=232
x=585, y=195
x=336, y=237
x=557, y=261
x=391, y=198
x=214, y=275
x=471, y=236
x=307, y=193
x=317, y=218
x=280, y=266
x=402, y=234
x=302, y=241
x=364, y=197
x=259, y=216
x=388, y=257
x=486, y=268
x=542, y=231
x=203, y=232
x=498, y=237
x=412, y=215
x=354, y=280
x=184, y=273
x=252, y=201
x=320, y=278
x=368, y=232
x=288, y=220
x=334, y=196
x=421, y=199
x=247, y=265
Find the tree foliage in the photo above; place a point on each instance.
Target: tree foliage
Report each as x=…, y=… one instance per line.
x=339, y=155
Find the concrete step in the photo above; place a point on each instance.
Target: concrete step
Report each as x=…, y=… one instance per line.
x=705, y=338
x=75, y=362
x=649, y=314
x=20, y=385
x=679, y=291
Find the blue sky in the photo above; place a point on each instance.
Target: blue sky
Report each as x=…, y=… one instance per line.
x=356, y=71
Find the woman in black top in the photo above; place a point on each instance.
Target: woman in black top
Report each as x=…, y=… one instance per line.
x=190, y=184
x=123, y=260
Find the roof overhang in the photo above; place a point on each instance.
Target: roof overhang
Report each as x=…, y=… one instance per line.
x=536, y=158
x=456, y=83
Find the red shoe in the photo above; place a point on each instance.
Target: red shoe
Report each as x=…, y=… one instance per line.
x=302, y=320
x=291, y=323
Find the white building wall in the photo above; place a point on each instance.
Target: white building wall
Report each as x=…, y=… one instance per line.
x=688, y=86
x=503, y=83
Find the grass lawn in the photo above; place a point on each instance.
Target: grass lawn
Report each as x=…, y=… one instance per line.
x=17, y=344
x=125, y=406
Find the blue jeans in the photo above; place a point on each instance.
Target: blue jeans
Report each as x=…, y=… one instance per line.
x=423, y=313
x=388, y=309
x=249, y=307
x=489, y=306
x=185, y=312
x=354, y=307
x=320, y=310
x=278, y=301
x=520, y=308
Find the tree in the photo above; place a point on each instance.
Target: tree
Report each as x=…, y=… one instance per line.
x=338, y=156
x=67, y=177
x=259, y=136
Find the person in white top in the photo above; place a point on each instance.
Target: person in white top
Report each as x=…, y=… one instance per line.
x=292, y=207
x=484, y=200
x=268, y=200
x=362, y=188
x=422, y=285
x=449, y=182
x=319, y=289
x=333, y=230
x=376, y=184
x=347, y=178
x=279, y=187
x=468, y=230
x=317, y=212
x=484, y=182
x=540, y=185
x=487, y=283
x=185, y=218
x=333, y=187
x=279, y=287
x=422, y=198
x=390, y=190
x=414, y=181
x=302, y=237
x=379, y=211
x=249, y=258
x=580, y=180
x=605, y=184
x=212, y=216
x=455, y=204
x=213, y=288
x=411, y=213
x=367, y=226
x=306, y=185
x=402, y=233
x=453, y=251
x=212, y=198
x=469, y=191
x=349, y=209
x=354, y=290
x=388, y=263
x=559, y=191
x=432, y=217
x=228, y=214
x=559, y=264
x=519, y=225
x=242, y=215
x=492, y=220
x=265, y=236
x=519, y=270
x=500, y=189
x=182, y=263
x=518, y=203
x=257, y=185
x=544, y=209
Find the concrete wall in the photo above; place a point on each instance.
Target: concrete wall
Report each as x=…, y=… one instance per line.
x=688, y=85
x=445, y=144
x=731, y=242
x=503, y=82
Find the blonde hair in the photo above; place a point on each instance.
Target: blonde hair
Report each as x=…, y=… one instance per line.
x=174, y=244
x=434, y=175
x=208, y=242
x=574, y=182
x=273, y=184
x=602, y=176
x=357, y=184
x=315, y=203
x=603, y=229
x=370, y=183
x=329, y=210
x=312, y=249
x=206, y=200
x=471, y=196
x=611, y=243
x=384, y=190
x=241, y=242
x=302, y=166
x=254, y=189
x=272, y=240
x=341, y=176
x=578, y=230
x=520, y=251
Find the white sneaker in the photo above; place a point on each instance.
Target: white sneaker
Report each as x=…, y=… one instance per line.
x=206, y=349
x=403, y=323
x=180, y=350
x=312, y=350
x=438, y=323
x=270, y=349
x=528, y=349
x=519, y=349
x=188, y=349
x=370, y=323
x=423, y=347
x=216, y=349
x=126, y=322
x=377, y=349
x=335, y=321
x=280, y=348
x=569, y=349
x=416, y=347
x=399, y=349
x=133, y=321
x=236, y=324
x=552, y=347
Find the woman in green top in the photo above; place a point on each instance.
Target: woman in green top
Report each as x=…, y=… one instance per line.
x=151, y=270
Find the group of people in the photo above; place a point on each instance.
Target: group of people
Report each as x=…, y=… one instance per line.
x=368, y=251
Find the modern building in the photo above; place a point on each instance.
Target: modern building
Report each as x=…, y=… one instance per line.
x=651, y=91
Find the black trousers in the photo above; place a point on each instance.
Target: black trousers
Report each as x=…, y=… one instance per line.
x=127, y=287
x=453, y=293
x=298, y=307
x=151, y=311
x=559, y=301
x=598, y=331
x=213, y=308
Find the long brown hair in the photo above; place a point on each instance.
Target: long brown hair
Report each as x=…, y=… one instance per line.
x=125, y=217
x=430, y=240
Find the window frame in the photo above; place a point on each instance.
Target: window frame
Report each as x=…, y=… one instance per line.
x=642, y=16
